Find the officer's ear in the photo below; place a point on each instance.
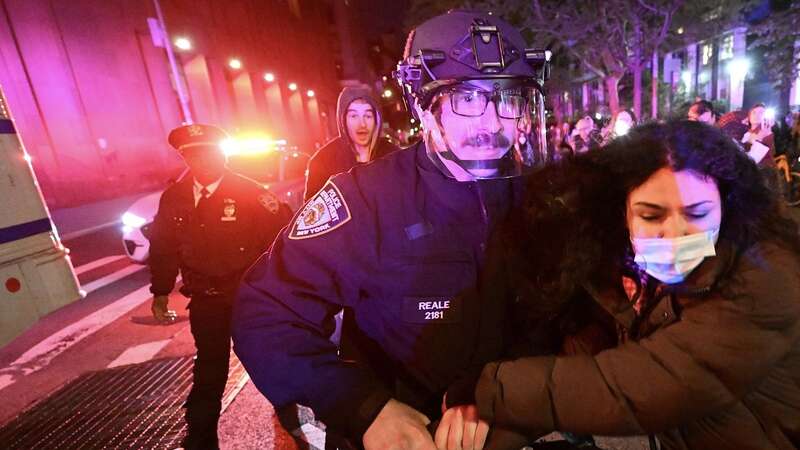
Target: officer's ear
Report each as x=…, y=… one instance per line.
x=431, y=129
x=418, y=111
x=426, y=118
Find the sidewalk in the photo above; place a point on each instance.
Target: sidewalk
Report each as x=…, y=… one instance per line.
x=79, y=220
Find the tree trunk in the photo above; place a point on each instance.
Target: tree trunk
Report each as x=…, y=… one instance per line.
x=637, y=91
x=612, y=88
x=785, y=97
x=557, y=108
x=654, y=90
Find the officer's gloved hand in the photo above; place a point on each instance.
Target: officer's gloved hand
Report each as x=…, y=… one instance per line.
x=160, y=311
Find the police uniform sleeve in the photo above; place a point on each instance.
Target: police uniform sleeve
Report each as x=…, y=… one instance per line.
x=284, y=311
x=164, y=256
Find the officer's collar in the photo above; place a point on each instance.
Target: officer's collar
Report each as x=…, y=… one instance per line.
x=211, y=187
x=423, y=161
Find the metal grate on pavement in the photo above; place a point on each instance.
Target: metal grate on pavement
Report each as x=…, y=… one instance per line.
x=129, y=407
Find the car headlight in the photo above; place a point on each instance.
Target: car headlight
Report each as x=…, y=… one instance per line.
x=132, y=220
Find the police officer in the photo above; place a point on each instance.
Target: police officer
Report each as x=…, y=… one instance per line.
x=210, y=226
x=401, y=241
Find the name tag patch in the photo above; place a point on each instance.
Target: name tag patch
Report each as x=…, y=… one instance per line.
x=431, y=309
x=325, y=212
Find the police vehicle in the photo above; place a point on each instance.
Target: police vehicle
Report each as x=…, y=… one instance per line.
x=36, y=275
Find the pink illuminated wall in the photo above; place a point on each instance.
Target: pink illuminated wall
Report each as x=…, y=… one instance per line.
x=314, y=119
x=296, y=115
x=204, y=107
x=248, y=116
x=94, y=98
x=275, y=114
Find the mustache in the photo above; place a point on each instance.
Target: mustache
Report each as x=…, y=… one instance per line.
x=487, y=140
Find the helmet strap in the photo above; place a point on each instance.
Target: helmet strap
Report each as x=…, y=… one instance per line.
x=469, y=164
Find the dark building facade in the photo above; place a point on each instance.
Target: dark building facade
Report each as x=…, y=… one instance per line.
x=94, y=95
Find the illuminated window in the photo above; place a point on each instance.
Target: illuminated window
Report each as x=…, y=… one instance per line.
x=708, y=53
x=726, y=48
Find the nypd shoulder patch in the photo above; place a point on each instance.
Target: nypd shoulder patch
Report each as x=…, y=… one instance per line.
x=325, y=212
x=269, y=201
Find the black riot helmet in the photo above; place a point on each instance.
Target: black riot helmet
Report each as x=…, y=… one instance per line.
x=460, y=63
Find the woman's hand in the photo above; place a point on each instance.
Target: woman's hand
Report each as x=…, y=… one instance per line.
x=398, y=427
x=461, y=429
x=783, y=166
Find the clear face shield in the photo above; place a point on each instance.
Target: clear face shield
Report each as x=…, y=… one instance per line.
x=486, y=129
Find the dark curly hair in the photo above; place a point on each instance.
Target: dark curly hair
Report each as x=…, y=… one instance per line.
x=573, y=218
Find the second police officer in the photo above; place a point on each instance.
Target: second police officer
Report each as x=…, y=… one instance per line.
x=210, y=226
x=401, y=241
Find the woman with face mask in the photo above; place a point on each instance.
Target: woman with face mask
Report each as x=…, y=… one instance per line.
x=677, y=279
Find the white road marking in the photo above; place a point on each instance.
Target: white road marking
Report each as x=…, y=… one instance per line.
x=110, y=278
x=226, y=401
x=139, y=353
x=84, y=232
x=98, y=263
x=44, y=352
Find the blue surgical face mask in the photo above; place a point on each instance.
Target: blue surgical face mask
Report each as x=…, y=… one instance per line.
x=671, y=260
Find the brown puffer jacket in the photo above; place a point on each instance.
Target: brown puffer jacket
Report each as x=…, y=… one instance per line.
x=706, y=367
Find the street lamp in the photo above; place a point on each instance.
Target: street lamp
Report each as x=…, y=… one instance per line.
x=292, y=87
x=387, y=93
x=310, y=93
x=183, y=43
x=235, y=64
x=269, y=77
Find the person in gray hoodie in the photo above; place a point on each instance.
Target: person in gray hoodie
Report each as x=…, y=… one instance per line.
x=359, y=120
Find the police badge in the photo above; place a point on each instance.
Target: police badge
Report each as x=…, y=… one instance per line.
x=229, y=210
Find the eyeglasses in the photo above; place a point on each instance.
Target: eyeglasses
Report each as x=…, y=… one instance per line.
x=508, y=103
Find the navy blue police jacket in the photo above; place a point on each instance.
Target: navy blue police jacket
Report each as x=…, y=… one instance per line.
x=214, y=246
x=402, y=245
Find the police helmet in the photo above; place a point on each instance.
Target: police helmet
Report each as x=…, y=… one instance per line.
x=474, y=59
